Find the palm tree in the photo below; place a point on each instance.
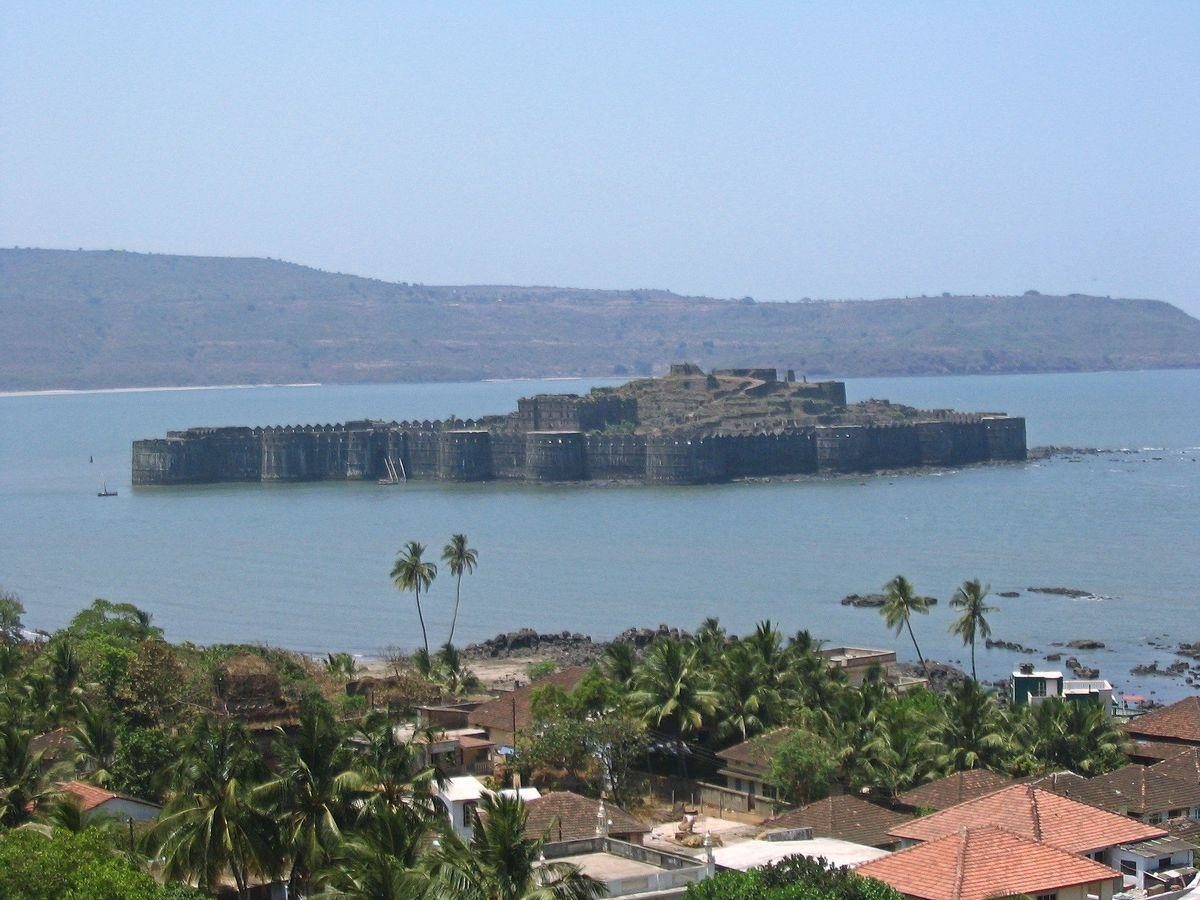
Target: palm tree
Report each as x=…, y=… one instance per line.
x=902, y=602
x=95, y=736
x=973, y=730
x=22, y=782
x=411, y=573
x=1074, y=735
x=389, y=770
x=453, y=674
x=746, y=703
x=671, y=694
x=312, y=791
x=619, y=663
x=501, y=863
x=212, y=826
x=970, y=598
x=381, y=858
x=710, y=640
x=65, y=668
x=903, y=752
x=460, y=558
x=766, y=643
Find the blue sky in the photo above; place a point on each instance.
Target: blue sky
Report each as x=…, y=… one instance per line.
x=774, y=150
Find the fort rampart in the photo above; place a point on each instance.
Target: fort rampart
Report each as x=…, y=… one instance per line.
x=556, y=448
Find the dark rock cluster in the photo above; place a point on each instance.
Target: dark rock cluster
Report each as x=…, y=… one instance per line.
x=996, y=643
x=874, y=601
x=526, y=641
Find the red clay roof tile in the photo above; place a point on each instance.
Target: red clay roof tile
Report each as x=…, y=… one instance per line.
x=978, y=863
x=1034, y=813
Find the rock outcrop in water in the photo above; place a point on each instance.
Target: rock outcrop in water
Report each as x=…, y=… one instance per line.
x=686, y=428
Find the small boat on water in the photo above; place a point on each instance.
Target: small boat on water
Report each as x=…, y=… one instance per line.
x=394, y=475
x=106, y=492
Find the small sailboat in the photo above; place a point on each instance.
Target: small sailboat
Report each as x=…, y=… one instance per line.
x=394, y=476
x=106, y=492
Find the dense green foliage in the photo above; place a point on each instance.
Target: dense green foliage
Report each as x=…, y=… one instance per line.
x=170, y=320
x=67, y=866
x=793, y=878
x=336, y=805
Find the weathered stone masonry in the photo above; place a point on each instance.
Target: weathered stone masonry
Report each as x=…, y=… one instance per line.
x=569, y=438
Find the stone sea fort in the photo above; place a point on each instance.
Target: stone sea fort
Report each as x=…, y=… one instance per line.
x=687, y=427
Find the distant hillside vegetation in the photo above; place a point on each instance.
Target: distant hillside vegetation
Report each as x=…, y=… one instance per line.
x=74, y=319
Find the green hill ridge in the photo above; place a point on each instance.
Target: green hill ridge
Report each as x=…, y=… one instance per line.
x=95, y=319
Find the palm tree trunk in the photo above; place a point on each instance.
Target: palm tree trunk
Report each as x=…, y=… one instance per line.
x=421, y=618
x=974, y=677
x=908, y=624
x=457, y=597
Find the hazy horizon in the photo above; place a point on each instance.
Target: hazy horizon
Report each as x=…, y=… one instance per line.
x=778, y=151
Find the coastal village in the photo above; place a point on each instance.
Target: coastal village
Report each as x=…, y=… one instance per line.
x=661, y=764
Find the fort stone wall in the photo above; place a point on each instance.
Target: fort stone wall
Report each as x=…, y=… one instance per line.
x=615, y=457
x=464, y=455
x=554, y=456
x=572, y=438
x=672, y=459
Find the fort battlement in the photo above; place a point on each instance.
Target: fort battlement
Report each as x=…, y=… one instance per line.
x=686, y=428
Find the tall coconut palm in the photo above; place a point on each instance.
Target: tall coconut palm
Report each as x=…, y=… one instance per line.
x=390, y=771
x=212, y=825
x=710, y=639
x=970, y=598
x=501, y=863
x=22, y=782
x=766, y=644
x=412, y=573
x=973, y=730
x=460, y=558
x=65, y=668
x=381, y=858
x=312, y=791
x=671, y=693
x=95, y=737
x=619, y=662
x=897, y=612
x=1073, y=735
x=453, y=673
x=903, y=752
x=747, y=701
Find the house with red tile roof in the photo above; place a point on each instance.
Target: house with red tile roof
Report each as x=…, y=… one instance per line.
x=1146, y=793
x=953, y=789
x=987, y=861
x=845, y=817
x=511, y=712
x=1183, y=764
x=1048, y=818
x=1163, y=733
x=95, y=802
x=745, y=766
x=453, y=751
x=560, y=816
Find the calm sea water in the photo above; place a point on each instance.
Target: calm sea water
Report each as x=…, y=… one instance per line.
x=306, y=566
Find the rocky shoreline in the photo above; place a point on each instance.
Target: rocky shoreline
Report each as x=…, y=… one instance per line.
x=508, y=656
x=565, y=647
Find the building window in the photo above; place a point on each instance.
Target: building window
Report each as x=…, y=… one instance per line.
x=1128, y=867
x=1038, y=689
x=468, y=814
x=1053, y=896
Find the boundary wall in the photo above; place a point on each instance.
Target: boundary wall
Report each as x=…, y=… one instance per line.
x=482, y=450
